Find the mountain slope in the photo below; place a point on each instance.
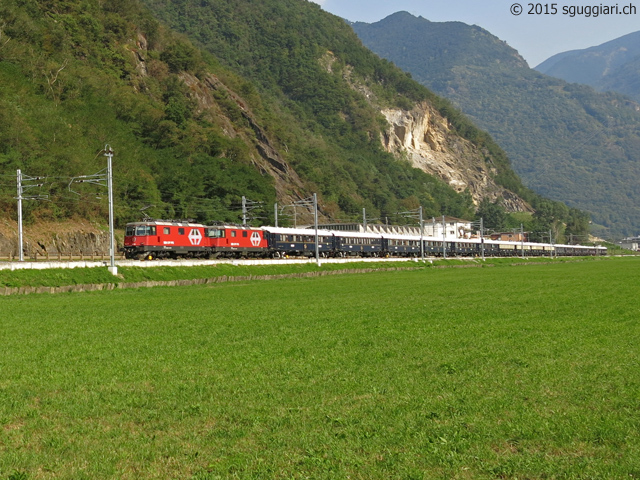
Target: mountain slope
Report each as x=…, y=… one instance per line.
x=309, y=61
x=285, y=102
x=566, y=141
x=191, y=137
x=614, y=65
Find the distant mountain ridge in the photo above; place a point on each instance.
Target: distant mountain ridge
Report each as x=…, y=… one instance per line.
x=566, y=141
x=614, y=65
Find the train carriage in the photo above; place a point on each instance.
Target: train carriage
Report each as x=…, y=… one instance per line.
x=401, y=245
x=362, y=244
x=299, y=242
x=464, y=248
x=432, y=247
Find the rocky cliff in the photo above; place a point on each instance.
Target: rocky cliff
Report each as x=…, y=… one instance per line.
x=424, y=137
x=53, y=239
x=265, y=155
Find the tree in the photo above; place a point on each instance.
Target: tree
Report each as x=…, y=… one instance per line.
x=494, y=215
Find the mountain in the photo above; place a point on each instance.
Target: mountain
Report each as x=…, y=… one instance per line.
x=207, y=101
x=566, y=141
x=614, y=66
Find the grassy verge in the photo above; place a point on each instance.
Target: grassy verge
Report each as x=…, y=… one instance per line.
x=477, y=373
x=80, y=276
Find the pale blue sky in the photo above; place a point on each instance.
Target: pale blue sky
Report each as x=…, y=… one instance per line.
x=536, y=37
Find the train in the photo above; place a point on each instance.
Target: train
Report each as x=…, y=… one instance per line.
x=174, y=239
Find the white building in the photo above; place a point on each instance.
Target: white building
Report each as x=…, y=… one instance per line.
x=631, y=243
x=454, y=228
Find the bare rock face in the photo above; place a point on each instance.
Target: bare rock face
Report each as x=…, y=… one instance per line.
x=53, y=239
x=423, y=137
x=265, y=155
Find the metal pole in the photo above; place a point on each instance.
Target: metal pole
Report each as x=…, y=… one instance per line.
x=244, y=210
x=522, y=239
x=19, y=179
x=421, y=235
x=444, y=238
x=112, y=248
x=482, y=236
x=364, y=219
x=275, y=212
x=315, y=220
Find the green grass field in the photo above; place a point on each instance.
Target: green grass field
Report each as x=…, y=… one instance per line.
x=506, y=372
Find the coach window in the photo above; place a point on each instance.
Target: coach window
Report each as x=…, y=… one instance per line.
x=181, y=231
x=166, y=230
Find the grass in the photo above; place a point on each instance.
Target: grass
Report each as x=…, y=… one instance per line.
x=454, y=373
x=78, y=276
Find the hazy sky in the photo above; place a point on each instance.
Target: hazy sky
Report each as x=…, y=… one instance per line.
x=536, y=37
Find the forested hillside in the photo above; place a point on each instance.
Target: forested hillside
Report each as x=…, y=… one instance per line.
x=567, y=141
x=254, y=108
x=71, y=82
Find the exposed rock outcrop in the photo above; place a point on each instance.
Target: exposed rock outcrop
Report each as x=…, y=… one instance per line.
x=423, y=136
x=266, y=156
x=65, y=238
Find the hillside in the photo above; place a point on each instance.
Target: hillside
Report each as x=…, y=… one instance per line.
x=273, y=101
x=612, y=66
x=566, y=141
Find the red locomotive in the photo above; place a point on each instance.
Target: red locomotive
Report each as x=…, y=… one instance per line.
x=173, y=239
x=236, y=240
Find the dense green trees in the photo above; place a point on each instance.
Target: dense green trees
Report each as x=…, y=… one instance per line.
x=74, y=76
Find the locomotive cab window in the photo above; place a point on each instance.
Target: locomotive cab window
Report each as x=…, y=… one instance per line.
x=130, y=231
x=144, y=230
x=215, y=233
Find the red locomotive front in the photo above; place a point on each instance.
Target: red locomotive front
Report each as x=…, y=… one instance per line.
x=163, y=239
